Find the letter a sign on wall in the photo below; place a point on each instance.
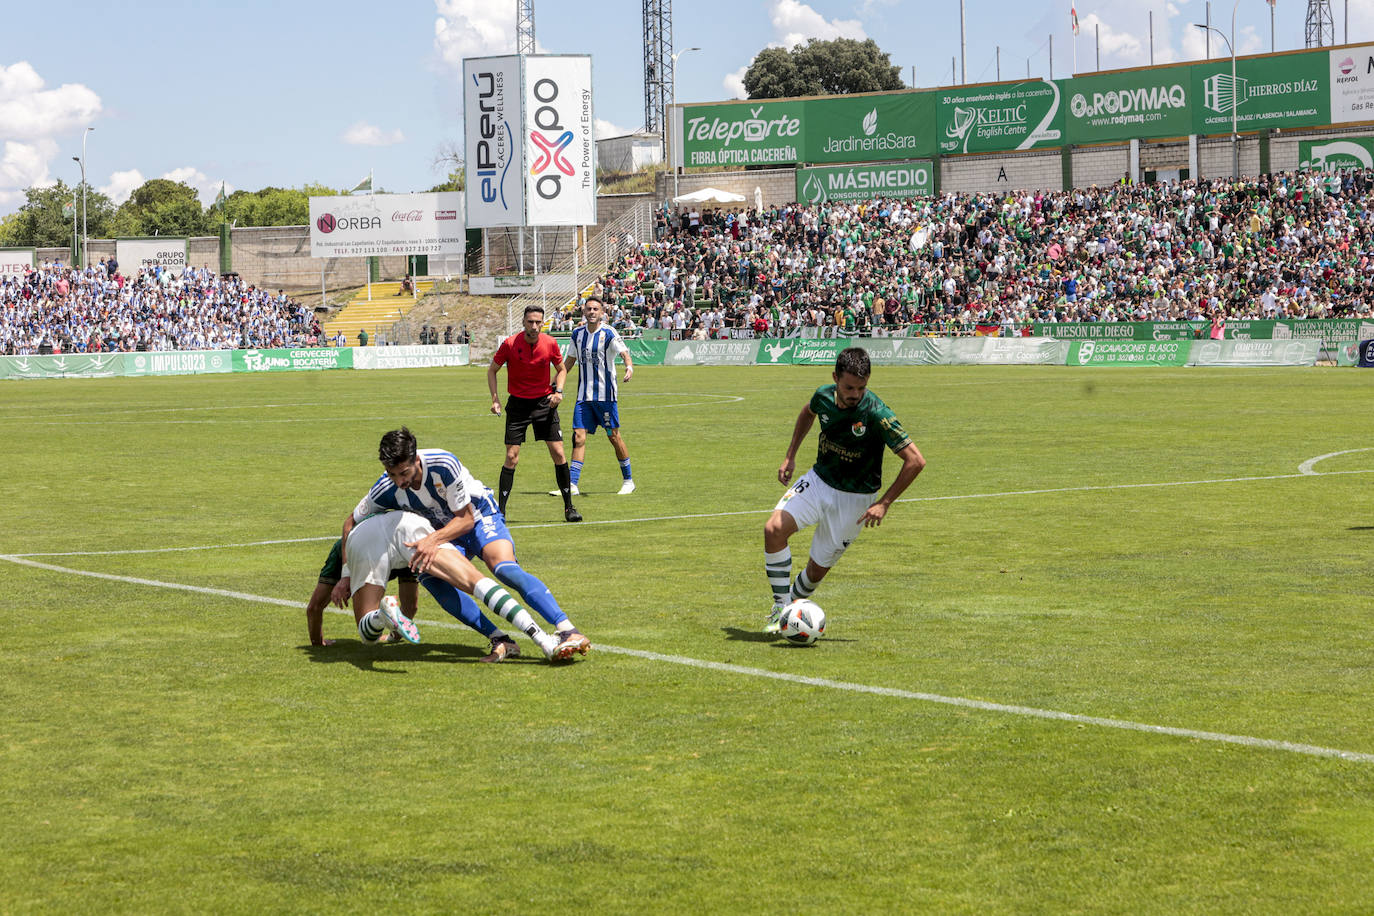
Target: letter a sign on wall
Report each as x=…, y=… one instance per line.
x=531, y=141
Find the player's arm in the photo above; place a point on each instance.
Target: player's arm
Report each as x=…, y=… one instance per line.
x=492, y=369
x=429, y=545
x=558, y=380
x=625, y=358
x=314, y=615
x=912, y=464
x=803, y=426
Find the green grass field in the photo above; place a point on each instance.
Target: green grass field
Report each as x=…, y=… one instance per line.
x=1134, y=550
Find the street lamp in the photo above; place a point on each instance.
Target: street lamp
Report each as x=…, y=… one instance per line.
x=82, y=160
x=1235, y=150
x=671, y=110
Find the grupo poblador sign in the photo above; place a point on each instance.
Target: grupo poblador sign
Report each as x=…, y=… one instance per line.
x=494, y=130
x=385, y=224
x=167, y=253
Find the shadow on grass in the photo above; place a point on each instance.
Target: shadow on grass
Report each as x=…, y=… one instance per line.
x=738, y=635
x=365, y=657
x=1360, y=528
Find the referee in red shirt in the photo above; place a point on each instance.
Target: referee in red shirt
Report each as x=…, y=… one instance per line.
x=533, y=400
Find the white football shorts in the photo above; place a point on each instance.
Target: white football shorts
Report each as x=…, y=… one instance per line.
x=378, y=545
x=835, y=513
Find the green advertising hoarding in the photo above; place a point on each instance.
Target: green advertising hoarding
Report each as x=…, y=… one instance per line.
x=864, y=182
x=1345, y=153
x=178, y=362
x=867, y=128
x=1121, y=106
x=293, y=360
x=1129, y=352
x=998, y=118
x=1120, y=330
x=744, y=133
x=1288, y=90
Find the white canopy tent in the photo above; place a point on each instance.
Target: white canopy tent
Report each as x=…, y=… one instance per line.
x=709, y=195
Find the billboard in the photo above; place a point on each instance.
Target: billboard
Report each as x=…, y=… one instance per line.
x=1352, y=84
x=136, y=254
x=1289, y=90
x=868, y=127
x=1330, y=155
x=560, y=143
x=747, y=133
x=382, y=224
x=999, y=118
x=492, y=125
x=15, y=262
x=864, y=182
x=1125, y=105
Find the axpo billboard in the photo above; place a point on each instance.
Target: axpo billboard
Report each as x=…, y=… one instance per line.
x=383, y=224
x=530, y=140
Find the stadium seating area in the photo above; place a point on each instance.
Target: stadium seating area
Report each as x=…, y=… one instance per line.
x=1289, y=245
x=60, y=309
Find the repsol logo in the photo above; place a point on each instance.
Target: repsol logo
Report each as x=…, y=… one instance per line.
x=329, y=223
x=551, y=140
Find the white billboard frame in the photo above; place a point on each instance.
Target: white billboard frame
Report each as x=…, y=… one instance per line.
x=493, y=126
x=373, y=225
x=136, y=252
x=560, y=140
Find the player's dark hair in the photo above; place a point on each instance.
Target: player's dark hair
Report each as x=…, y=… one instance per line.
x=853, y=360
x=398, y=447
x=533, y=308
x=594, y=298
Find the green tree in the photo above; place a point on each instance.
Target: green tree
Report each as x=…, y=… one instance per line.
x=267, y=207
x=836, y=67
x=40, y=222
x=162, y=207
x=457, y=180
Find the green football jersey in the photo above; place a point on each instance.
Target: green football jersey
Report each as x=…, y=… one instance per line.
x=850, y=454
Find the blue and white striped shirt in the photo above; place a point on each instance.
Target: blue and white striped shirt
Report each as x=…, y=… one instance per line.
x=446, y=488
x=595, y=354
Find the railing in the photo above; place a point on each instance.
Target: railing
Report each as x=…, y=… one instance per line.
x=561, y=286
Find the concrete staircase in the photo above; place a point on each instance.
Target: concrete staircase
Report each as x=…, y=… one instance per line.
x=388, y=306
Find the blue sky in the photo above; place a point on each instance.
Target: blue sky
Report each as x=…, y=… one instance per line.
x=256, y=93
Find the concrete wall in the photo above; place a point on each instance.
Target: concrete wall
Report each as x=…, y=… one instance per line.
x=779, y=186
x=1033, y=171
x=1099, y=166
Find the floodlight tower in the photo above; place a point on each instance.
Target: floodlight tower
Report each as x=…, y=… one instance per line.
x=1321, y=27
x=658, y=67
x=524, y=27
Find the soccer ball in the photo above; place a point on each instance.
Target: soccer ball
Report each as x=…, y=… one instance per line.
x=802, y=622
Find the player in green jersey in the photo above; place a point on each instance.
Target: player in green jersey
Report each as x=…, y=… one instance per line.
x=839, y=495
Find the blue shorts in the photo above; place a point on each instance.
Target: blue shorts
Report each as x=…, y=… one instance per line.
x=491, y=526
x=589, y=415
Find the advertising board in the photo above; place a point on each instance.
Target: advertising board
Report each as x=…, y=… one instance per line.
x=493, y=126
x=385, y=224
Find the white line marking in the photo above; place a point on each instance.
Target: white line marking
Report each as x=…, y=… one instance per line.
x=1311, y=750
x=676, y=518
x=1306, y=466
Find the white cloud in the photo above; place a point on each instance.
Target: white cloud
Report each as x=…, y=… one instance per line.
x=473, y=28
x=795, y=23
x=606, y=129
x=121, y=185
x=29, y=112
x=734, y=82
x=364, y=134
x=1122, y=49
x=25, y=165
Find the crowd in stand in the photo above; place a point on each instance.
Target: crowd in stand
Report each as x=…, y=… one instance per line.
x=60, y=309
x=1291, y=245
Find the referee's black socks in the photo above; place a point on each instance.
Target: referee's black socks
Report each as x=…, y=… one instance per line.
x=507, y=483
x=564, y=478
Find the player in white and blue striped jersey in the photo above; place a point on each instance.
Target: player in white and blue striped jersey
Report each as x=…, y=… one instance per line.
x=594, y=347
x=434, y=484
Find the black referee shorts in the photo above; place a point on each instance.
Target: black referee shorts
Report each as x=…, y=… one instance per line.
x=522, y=413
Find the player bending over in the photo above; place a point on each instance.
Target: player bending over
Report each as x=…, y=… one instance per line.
x=434, y=484
x=379, y=544
x=839, y=495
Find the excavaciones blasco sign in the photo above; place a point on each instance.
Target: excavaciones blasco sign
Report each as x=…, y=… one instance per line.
x=1289, y=90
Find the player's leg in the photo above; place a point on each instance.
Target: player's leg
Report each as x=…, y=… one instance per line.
x=546, y=427
x=370, y=561
x=499, y=555
x=450, y=565
x=376, y=614
x=459, y=605
x=579, y=453
x=837, y=529
x=777, y=561
x=611, y=420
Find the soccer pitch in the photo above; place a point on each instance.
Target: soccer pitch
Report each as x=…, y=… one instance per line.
x=1112, y=652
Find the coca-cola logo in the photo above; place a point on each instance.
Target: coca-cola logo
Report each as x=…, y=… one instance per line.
x=325, y=223
x=406, y=216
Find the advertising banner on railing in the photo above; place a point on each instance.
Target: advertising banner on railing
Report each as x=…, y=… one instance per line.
x=493, y=125
x=1255, y=352
x=1365, y=351
x=984, y=119
x=1333, y=155
x=1288, y=90
x=1129, y=352
x=285, y=360
x=177, y=362
x=380, y=224
x=711, y=353
x=1119, y=330
x=75, y=365
x=136, y=254
x=864, y=182
x=15, y=262
x=411, y=357
x=560, y=141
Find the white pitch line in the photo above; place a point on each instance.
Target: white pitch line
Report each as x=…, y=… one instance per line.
x=678, y=518
x=1307, y=466
x=1311, y=750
